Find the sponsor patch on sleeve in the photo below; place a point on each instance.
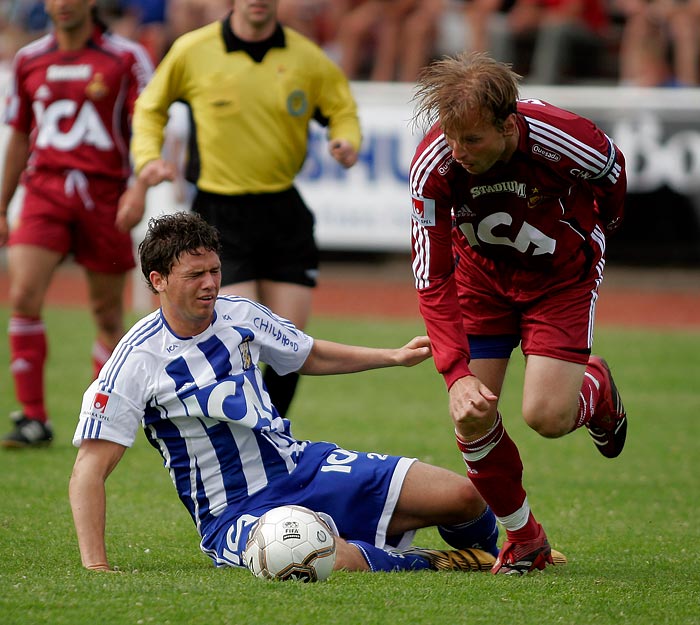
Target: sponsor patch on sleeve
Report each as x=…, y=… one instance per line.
x=423, y=210
x=103, y=407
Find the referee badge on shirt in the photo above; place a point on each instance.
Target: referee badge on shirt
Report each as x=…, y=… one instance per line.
x=297, y=103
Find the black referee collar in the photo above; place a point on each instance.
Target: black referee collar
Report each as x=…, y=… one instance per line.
x=255, y=49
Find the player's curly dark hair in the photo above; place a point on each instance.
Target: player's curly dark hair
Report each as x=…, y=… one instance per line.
x=169, y=237
x=453, y=89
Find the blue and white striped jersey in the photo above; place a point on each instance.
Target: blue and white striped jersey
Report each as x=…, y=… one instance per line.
x=202, y=403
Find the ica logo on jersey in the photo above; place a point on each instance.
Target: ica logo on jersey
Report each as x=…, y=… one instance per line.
x=87, y=127
x=528, y=239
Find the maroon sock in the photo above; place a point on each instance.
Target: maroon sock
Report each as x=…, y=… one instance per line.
x=526, y=533
x=100, y=355
x=494, y=467
x=28, y=351
x=589, y=396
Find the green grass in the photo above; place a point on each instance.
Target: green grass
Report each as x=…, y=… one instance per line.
x=629, y=526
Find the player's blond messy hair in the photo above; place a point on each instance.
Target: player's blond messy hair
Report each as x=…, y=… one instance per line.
x=454, y=88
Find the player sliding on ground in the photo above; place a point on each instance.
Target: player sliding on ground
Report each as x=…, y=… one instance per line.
x=188, y=374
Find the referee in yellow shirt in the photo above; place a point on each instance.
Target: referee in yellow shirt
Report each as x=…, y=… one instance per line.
x=252, y=86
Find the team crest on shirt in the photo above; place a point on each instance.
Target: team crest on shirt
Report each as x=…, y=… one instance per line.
x=244, y=351
x=297, y=104
x=97, y=88
x=534, y=198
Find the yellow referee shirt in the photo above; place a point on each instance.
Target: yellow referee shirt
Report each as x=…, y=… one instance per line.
x=251, y=117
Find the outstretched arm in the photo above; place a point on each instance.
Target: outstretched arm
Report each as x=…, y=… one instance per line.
x=327, y=357
x=95, y=461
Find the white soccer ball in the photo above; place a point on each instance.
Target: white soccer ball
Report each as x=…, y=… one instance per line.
x=290, y=542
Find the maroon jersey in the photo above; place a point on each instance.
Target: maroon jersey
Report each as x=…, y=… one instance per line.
x=546, y=210
x=76, y=105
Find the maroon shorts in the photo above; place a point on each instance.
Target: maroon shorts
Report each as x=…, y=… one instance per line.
x=553, y=315
x=71, y=214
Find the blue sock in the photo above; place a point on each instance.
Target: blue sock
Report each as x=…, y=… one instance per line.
x=479, y=533
x=382, y=560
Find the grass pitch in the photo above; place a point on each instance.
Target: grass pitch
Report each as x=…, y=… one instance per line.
x=628, y=526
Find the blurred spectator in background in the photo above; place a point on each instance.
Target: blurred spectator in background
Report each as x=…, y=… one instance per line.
x=364, y=52
x=147, y=19
x=652, y=42
x=568, y=38
x=484, y=17
x=660, y=43
x=143, y=21
x=317, y=20
x=388, y=40
x=186, y=15
x=157, y=23
x=416, y=38
x=470, y=25
x=21, y=21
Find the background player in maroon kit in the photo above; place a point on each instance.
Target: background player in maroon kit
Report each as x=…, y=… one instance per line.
x=512, y=204
x=69, y=108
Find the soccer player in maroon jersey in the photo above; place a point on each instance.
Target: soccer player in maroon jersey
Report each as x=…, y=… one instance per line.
x=512, y=203
x=69, y=110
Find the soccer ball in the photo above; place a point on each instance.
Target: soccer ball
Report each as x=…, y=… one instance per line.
x=290, y=542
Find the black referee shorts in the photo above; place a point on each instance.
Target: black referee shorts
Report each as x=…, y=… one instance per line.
x=267, y=236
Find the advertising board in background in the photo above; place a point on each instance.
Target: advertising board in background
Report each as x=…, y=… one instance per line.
x=367, y=208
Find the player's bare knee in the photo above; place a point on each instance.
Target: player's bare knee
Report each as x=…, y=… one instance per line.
x=25, y=301
x=471, y=503
x=549, y=425
x=348, y=557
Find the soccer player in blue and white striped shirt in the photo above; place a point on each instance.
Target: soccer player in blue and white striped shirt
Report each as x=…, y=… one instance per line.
x=188, y=374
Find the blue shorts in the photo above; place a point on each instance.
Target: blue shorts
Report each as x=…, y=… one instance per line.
x=358, y=491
